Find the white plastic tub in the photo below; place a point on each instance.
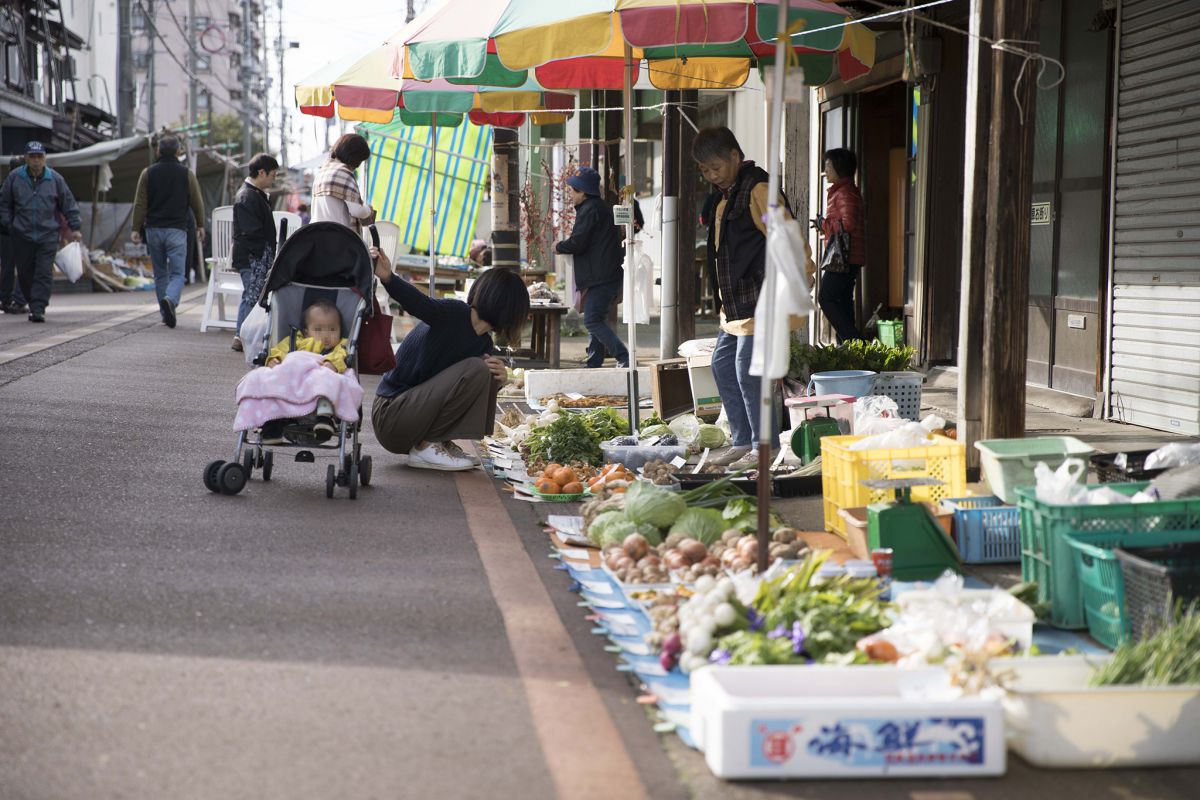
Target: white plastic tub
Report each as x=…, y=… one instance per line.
x=613, y=381
x=842, y=722
x=1056, y=720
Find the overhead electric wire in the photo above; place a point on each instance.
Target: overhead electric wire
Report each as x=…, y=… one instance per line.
x=175, y=58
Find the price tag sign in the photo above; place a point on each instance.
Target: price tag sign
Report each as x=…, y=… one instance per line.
x=574, y=396
x=653, y=440
x=678, y=462
x=623, y=215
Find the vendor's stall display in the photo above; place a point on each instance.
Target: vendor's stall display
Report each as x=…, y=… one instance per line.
x=558, y=482
x=1047, y=557
x=609, y=479
x=659, y=472
x=582, y=401
x=635, y=453
x=569, y=437
x=611, y=383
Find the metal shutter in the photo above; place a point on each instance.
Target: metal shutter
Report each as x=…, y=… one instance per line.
x=1155, y=303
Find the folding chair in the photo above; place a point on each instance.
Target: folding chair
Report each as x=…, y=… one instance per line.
x=223, y=281
x=293, y=224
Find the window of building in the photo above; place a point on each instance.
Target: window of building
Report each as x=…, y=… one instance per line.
x=137, y=18
x=203, y=62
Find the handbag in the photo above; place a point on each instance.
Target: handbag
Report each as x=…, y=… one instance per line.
x=375, y=353
x=836, y=257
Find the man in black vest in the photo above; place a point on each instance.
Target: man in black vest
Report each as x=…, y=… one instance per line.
x=166, y=192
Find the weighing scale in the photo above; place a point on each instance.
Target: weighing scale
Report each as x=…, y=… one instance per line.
x=806, y=439
x=921, y=550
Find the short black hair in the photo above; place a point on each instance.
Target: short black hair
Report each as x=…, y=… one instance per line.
x=501, y=299
x=168, y=147
x=261, y=163
x=350, y=149
x=322, y=304
x=845, y=164
x=715, y=143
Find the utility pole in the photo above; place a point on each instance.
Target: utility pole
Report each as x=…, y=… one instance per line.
x=247, y=90
x=668, y=336
x=192, y=83
x=284, y=128
x=1009, y=193
x=686, y=286
x=126, y=88
x=506, y=239
x=150, y=72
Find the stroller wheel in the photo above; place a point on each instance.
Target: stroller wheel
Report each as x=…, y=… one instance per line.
x=352, y=481
x=210, y=475
x=248, y=462
x=268, y=461
x=364, y=470
x=330, y=480
x=231, y=478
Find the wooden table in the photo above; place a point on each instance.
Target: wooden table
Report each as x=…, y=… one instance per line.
x=545, y=328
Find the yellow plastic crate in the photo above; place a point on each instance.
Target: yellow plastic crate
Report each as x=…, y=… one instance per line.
x=843, y=470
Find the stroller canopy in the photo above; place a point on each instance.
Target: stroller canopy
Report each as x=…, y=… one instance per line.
x=322, y=254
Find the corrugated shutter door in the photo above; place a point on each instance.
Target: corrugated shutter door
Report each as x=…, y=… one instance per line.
x=1156, y=247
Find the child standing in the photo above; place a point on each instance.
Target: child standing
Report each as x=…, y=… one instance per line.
x=737, y=247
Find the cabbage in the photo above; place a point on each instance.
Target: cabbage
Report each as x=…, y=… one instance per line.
x=646, y=503
x=652, y=533
x=704, y=524
x=654, y=430
x=710, y=436
x=611, y=527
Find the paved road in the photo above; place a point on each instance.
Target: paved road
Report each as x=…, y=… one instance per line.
x=160, y=641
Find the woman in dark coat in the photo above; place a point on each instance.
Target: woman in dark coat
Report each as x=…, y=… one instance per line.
x=254, y=235
x=595, y=243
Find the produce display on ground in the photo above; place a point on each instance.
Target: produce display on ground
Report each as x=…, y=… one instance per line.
x=583, y=401
x=670, y=575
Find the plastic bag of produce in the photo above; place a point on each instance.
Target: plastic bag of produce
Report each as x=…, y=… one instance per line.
x=687, y=428
x=876, y=414
x=1173, y=455
x=1062, y=486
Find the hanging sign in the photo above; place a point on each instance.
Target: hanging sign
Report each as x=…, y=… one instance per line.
x=1041, y=214
x=623, y=215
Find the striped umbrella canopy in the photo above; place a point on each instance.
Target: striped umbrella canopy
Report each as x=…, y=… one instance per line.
x=685, y=44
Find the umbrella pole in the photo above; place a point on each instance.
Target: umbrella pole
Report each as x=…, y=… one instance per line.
x=630, y=308
x=433, y=210
x=766, y=394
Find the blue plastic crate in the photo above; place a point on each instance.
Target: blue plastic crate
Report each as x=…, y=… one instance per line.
x=988, y=532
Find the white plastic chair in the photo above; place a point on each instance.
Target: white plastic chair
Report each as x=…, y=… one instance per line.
x=293, y=223
x=223, y=281
x=389, y=238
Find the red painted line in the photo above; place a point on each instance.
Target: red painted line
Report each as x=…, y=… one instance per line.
x=584, y=753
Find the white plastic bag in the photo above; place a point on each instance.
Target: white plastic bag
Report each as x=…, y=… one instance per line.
x=1173, y=455
x=876, y=414
x=785, y=257
x=252, y=333
x=643, y=287
x=69, y=261
x=1063, y=486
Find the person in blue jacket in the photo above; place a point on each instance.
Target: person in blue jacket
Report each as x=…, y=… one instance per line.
x=30, y=200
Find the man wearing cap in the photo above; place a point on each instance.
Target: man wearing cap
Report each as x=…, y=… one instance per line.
x=595, y=244
x=166, y=192
x=30, y=198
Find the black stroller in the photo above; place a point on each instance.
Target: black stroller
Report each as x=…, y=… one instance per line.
x=322, y=260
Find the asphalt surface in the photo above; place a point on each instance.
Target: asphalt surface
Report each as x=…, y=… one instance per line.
x=157, y=640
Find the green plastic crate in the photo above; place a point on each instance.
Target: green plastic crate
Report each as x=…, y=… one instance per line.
x=1009, y=463
x=1048, y=558
x=1102, y=584
x=891, y=332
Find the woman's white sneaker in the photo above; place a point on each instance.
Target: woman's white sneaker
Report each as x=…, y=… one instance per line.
x=437, y=456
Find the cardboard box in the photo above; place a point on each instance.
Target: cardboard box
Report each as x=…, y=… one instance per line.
x=842, y=722
x=706, y=401
x=670, y=387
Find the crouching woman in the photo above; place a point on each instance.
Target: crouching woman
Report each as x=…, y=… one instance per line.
x=447, y=377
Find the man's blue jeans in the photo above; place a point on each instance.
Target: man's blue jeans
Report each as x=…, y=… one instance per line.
x=595, y=318
x=739, y=389
x=168, y=254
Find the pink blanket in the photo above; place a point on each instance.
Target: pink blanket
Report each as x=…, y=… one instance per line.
x=292, y=389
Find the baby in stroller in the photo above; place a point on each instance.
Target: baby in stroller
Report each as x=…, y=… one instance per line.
x=304, y=383
x=306, y=390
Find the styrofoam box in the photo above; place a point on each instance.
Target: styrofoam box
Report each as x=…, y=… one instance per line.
x=706, y=400
x=1055, y=719
x=1016, y=625
x=842, y=722
x=541, y=383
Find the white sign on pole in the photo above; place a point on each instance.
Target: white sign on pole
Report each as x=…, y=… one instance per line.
x=623, y=215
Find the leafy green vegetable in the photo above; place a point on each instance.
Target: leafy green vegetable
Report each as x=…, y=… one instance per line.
x=605, y=423
x=710, y=436
x=611, y=527
x=645, y=502
x=703, y=524
x=857, y=354
x=654, y=430
x=1169, y=657
x=566, y=439
x=653, y=419
x=742, y=513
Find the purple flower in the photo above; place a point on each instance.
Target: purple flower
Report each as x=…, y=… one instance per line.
x=756, y=620
x=720, y=657
x=797, y=638
x=779, y=632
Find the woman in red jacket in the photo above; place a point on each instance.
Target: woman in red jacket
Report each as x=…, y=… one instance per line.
x=843, y=212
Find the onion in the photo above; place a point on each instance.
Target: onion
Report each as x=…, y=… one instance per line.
x=729, y=555
x=636, y=546
x=705, y=584
x=747, y=548
x=693, y=550
x=699, y=642
x=672, y=644
x=625, y=562
x=739, y=565
x=725, y=614
x=675, y=560
x=649, y=561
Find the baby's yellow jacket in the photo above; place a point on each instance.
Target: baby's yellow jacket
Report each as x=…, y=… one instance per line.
x=337, y=354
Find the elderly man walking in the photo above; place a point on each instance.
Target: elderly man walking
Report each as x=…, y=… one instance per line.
x=165, y=193
x=30, y=198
